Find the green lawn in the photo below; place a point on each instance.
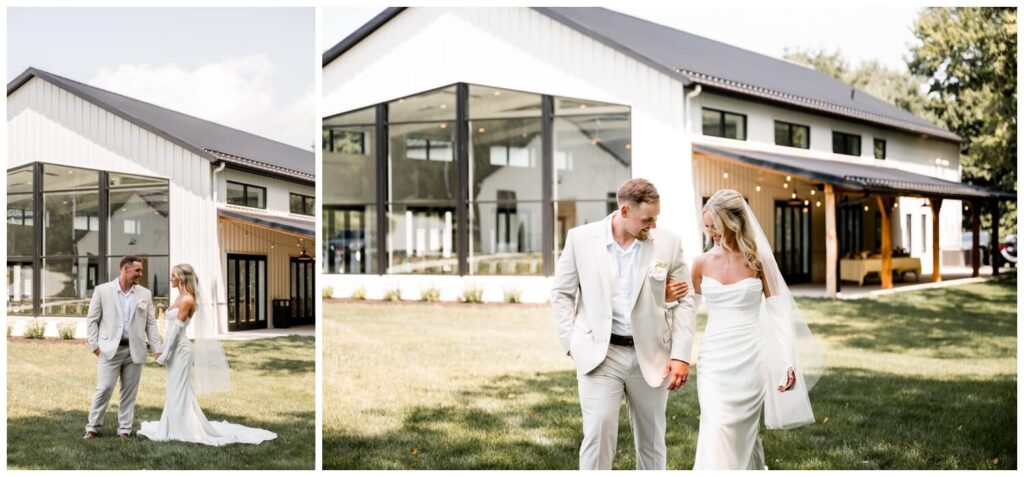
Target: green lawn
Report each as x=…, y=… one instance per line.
x=50, y=385
x=921, y=380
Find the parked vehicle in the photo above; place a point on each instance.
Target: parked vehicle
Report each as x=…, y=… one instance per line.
x=1008, y=251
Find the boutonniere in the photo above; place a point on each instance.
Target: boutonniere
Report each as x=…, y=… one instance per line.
x=659, y=270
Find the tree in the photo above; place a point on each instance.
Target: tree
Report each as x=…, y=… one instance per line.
x=969, y=57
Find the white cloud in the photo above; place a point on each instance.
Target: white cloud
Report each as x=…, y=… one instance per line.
x=236, y=92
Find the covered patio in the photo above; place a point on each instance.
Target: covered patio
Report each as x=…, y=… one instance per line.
x=879, y=189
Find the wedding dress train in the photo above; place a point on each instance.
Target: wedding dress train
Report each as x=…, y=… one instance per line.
x=182, y=418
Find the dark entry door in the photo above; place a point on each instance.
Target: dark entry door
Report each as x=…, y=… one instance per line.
x=247, y=292
x=346, y=240
x=793, y=241
x=303, y=288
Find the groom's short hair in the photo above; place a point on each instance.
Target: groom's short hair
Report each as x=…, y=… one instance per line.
x=637, y=191
x=128, y=260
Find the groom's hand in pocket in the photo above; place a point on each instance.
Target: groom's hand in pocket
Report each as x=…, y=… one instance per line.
x=678, y=373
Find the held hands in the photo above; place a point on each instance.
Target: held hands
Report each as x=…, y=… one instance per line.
x=96, y=351
x=678, y=372
x=787, y=382
x=674, y=290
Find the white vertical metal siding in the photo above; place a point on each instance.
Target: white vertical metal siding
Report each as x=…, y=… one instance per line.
x=518, y=48
x=46, y=123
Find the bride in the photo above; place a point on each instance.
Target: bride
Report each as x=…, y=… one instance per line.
x=190, y=371
x=753, y=331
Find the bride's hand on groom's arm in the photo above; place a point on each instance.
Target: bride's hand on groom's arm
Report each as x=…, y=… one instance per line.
x=674, y=290
x=678, y=373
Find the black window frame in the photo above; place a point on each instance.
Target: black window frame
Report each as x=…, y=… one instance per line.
x=845, y=141
x=885, y=149
x=245, y=195
x=462, y=201
x=101, y=271
x=309, y=209
x=790, y=129
x=721, y=123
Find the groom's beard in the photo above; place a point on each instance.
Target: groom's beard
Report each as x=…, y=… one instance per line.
x=643, y=234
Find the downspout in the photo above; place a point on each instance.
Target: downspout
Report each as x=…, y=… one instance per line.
x=693, y=170
x=216, y=292
x=213, y=183
x=686, y=110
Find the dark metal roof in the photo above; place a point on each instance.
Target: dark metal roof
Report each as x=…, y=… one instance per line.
x=361, y=33
x=712, y=64
x=210, y=140
x=858, y=177
x=304, y=228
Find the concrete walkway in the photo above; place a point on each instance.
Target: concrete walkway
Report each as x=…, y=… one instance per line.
x=305, y=330
x=951, y=277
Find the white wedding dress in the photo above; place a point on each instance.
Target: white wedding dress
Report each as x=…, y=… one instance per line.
x=732, y=379
x=182, y=418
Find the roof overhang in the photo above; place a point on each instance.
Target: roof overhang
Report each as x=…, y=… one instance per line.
x=685, y=77
x=208, y=154
x=853, y=177
x=305, y=229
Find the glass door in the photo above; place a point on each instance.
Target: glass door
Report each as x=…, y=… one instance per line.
x=303, y=290
x=793, y=241
x=247, y=292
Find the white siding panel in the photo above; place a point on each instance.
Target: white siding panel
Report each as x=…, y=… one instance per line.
x=518, y=48
x=48, y=124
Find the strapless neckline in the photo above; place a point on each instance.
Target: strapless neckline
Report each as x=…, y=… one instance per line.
x=730, y=284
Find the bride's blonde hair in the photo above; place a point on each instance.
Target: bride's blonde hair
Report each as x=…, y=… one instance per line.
x=726, y=209
x=189, y=283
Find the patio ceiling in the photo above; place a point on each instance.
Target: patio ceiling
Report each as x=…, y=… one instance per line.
x=857, y=177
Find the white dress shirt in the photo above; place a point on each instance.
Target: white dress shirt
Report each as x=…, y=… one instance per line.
x=622, y=263
x=126, y=306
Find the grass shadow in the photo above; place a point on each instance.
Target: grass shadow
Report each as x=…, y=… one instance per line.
x=54, y=441
x=874, y=421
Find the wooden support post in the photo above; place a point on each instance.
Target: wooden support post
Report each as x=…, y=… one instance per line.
x=975, y=238
x=831, y=245
x=885, y=214
x=994, y=239
x=936, y=205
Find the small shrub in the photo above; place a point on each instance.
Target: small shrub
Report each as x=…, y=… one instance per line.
x=10, y=330
x=359, y=294
x=393, y=294
x=66, y=330
x=35, y=329
x=430, y=294
x=473, y=294
x=328, y=291
x=513, y=296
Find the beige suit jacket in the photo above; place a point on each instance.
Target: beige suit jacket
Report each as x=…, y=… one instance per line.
x=105, y=322
x=582, y=302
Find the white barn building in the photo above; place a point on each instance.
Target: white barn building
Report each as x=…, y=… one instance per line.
x=93, y=176
x=461, y=143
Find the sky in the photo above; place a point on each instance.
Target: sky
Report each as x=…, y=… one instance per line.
x=248, y=68
x=861, y=34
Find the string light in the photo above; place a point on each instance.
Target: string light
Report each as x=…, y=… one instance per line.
x=758, y=188
x=725, y=175
x=817, y=204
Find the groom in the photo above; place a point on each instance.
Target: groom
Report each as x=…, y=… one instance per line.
x=610, y=310
x=121, y=319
